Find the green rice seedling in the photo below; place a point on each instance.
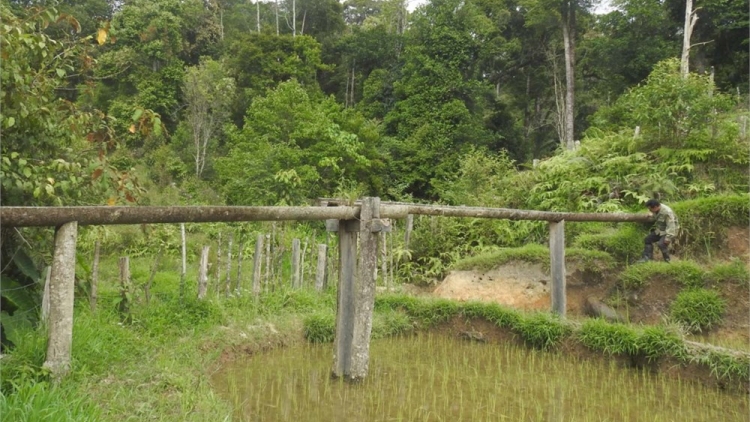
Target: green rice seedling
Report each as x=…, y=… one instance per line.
x=614, y=339
x=687, y=273
x=698, y=309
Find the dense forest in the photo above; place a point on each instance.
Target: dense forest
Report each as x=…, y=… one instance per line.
x=279, y=102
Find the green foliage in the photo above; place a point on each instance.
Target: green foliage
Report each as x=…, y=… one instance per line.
x=698, y=309
x=40, y=401
x=320, y=327
x=687, y=273
x=173, y=314
x=704, y=221
x=723, y=365
x=657, y=341
x=735, y=271
x=502, y=317
x=588, y=259
x=542, y=330
x=624, y=242
x=614, y=339
x=289, y=150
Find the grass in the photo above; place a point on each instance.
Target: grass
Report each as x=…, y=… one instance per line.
x=687, y=273
x=698, y=309
x=538, y=254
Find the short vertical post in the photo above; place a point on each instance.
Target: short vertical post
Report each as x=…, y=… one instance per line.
x=95, y=276
x=45, y=296
x=61, y=293
x=183, y=271
x=295, y=263
x=409, y=228
x=257, y=259
x=320, y=274
x=557, y=265
x=203, y=273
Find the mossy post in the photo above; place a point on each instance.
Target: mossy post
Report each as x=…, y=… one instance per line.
x=356, y=292
x=295, y=264
x=61, y=292
x=557, y=265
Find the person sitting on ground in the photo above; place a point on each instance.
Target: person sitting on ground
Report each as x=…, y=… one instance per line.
x=663, y=233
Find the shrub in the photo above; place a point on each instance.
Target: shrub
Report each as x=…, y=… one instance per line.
x=38, y=401
x=698, y=309
x=538, y=254
x=704, y=221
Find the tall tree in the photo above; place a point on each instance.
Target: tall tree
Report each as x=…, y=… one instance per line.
x=208, y=95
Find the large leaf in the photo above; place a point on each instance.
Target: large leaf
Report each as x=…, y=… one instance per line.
x=15, y=325
x=26, y=265
x=25, y=298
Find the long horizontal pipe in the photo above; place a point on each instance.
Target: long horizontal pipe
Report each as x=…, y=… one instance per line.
x=102, y=215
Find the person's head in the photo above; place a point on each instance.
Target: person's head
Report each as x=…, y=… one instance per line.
x=653, y=205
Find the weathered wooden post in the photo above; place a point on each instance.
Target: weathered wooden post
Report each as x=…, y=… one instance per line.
x=557, y=265
x=240, y=253
x=320, y=273
x=95, y=276
x=45, y=296
x=183, y=269
x=257, y=259
x=356, y=292
x=61, y=292
x=267, y=277
x=124, y=306
x=203, y=273
x=408, y=230
x=295, y=263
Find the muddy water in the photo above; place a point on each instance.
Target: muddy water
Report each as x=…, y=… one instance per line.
x=430, y=377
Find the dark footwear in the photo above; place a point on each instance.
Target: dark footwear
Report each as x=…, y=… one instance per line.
x=642, y=260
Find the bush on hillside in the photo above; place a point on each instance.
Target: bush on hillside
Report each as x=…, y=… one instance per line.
x=704, y=221
x=687, y=273
x=698, y=309
x=624, y=243
x=735, y=272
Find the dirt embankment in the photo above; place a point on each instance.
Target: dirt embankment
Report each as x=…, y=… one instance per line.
x=526, y=286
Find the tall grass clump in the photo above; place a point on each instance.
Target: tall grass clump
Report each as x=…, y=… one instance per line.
x=657, y=341
x=687, y=273
x=542, y=330
x=614, y=339
x=500, y=316
x=698, y=309
x=39, y=401
x=735, y=272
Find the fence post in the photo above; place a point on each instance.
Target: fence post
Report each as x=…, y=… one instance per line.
x=229, y=265
x=62, y=288
x=45, y=296
x=257, y=259
x=203, y=273
x=124, y=305
x=557, y=265
x=320, y=274
x=295, y=263
x=184, y=261
x=95, y=276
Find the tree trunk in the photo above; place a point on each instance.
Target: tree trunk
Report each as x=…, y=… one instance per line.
x=690, y=19
x=568, y=26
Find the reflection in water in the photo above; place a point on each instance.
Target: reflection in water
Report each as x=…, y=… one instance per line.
x=435, y=378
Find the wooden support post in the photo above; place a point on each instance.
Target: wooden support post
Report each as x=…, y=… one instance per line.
x=241, y=249
x=302, y=264
x=203, y=273
x=124, y=306
x=557, y=265
x=295, y=264
x=409, y=228
x=257, y=259
x=183, y=271
x=320, y=274
x=61, y=293
x=95, y=276
x=45, y=296
x=267, y=277
x=218, y=265
x=356, y=294
x=227, y=284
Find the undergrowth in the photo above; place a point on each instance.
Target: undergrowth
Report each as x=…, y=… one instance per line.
x=687, y=273
x=698, y=309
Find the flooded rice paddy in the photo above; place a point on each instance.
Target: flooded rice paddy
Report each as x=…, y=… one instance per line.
x=432, y=377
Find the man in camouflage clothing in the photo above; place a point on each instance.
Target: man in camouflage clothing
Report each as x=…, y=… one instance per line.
x=663, y=233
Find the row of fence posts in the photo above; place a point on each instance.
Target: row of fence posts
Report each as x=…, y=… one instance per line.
x=266, y=274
